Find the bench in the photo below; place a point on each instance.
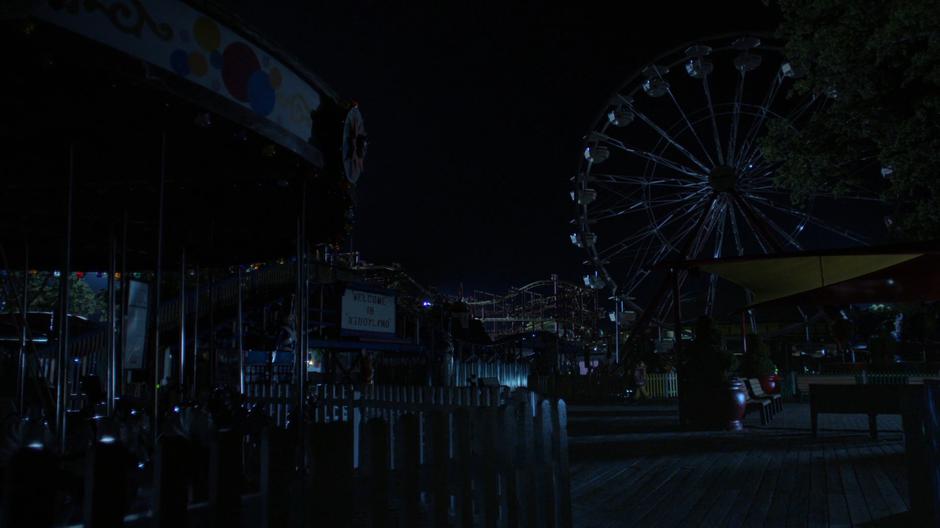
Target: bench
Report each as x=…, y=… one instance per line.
x=758, y=393
x=860, y=399
x=766, y=412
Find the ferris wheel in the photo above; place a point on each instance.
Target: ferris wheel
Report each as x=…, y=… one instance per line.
x=672, y=169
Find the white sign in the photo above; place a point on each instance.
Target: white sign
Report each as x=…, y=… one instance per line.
x=182, y=40
x=368, y=312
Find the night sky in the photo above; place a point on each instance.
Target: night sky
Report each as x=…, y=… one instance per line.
x=475, y=114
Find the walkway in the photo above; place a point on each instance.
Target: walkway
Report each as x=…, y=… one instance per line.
x=632, y=466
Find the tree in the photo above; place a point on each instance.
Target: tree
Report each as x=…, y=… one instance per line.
x=44, y=296
x=878, y=62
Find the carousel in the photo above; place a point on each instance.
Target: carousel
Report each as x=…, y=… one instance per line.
x=165, y=150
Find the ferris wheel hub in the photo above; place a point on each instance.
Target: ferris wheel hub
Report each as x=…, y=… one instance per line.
x=723, y=178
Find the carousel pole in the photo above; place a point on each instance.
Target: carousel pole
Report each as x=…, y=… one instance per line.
x=21, y=364
x=181, y=384
x=125, y=299
x=195, y=339
x=112, y=372
x=62, y=323
x=240, y=329
x=158, y=277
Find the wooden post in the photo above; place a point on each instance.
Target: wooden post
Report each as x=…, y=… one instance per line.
x=525, y=449
x=544, y=482
x=225, y=479
x=408, y=444
x=560, y=457
x=463, y=467
x=30, y=489
x=277, y=472
x=169, y=483
x=105, y=486
x=486, y=440
x=440, y=467
x=331, y=462
x=377, y=464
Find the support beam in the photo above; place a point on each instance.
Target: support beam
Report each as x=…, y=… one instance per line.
x=181, y=378
x=158, y=281
x=239, y=328
x=24, y=331
x=112, y=372
x=62, y=320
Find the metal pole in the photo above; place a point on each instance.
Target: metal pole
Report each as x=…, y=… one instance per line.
x=182, y=359
x=677, y=311
x=112, y=328
x=240, y=330
x=125, y=297
x=195, y=338
x=617, y=332
x=62, y=363
x=212, y=350
x=21, y=364
x=156, y=295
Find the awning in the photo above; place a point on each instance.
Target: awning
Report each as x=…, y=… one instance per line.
x=903, y=274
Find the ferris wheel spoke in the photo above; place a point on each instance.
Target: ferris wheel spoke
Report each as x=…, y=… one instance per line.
x=655, y=158
x=798, y=112
x=624, y=245
x=735, y=233
x=714, y=120
x=755, y=232
x=735, y=119
x=716, y=253
x=659, y=181
x=787, y=236
x=816, y=221
x=665, y=135
x=752, y=132
x=691, y=127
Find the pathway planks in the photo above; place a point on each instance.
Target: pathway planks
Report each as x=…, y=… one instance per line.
x=777, y=475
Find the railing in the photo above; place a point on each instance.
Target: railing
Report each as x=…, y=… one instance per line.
x=512, y=375
x=663, y=386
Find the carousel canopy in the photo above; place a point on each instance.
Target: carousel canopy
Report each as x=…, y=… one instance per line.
x=898, y=273
x=117, y=102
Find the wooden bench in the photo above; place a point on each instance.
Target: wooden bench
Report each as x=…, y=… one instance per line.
x=766, y=412
x=803, y=382
x=758, y=393
x=859, y=399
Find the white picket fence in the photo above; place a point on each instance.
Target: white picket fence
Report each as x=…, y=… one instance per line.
x=512, y=375
x=662, y=386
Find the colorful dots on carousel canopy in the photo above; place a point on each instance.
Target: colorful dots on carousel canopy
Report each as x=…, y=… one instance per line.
x=260, y=93
x=276, y=78
x=215, y=59
x=179, y=62
x=198, y=65
x=207, y=33
x=239, y=63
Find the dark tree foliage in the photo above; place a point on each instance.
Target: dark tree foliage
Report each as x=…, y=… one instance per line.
x=44, y=296
x=756, y=361
x=705, y=361
x=878, y=62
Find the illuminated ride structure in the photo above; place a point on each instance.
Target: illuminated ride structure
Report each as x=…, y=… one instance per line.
x=165, y=144
x=568, y=310
x=673, y=170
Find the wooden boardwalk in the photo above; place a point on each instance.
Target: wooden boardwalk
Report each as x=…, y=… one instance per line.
x=632, y=466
